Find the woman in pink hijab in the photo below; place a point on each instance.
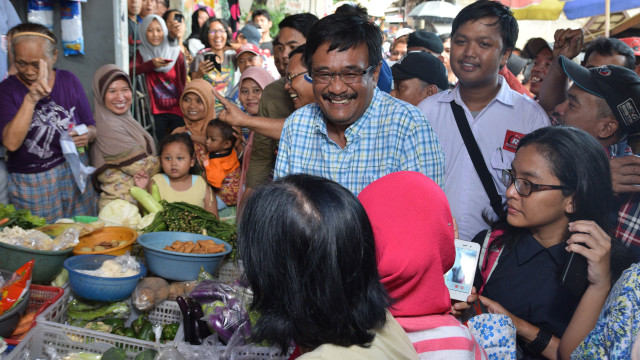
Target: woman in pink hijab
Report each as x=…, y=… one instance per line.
x=414, y=235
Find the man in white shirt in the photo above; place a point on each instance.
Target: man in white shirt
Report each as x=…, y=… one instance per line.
x=483, y=35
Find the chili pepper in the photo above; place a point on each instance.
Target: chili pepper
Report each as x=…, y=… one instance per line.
x=118, y=330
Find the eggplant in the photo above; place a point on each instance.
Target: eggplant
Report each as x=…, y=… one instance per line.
x=203, y=327
x=190, y=329
x=183, y=305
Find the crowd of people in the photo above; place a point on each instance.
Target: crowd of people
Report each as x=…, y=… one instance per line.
x=350, y=180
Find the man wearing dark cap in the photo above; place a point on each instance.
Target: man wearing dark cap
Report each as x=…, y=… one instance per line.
x=249, y=34
x=605, y=101
x=417, y=76
x=425, y=41
x=540, y=52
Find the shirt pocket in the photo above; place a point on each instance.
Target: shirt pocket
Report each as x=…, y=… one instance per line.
x=501, y=159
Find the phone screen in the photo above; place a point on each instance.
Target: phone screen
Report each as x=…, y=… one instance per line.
x=460, y=276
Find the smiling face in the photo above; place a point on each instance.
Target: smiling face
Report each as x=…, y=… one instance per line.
x=342, y=104
x=300, y=90
x=217, y=36
x=541, y=210
x=193, y=109
x=249, y=96
x=117, y=98
x=155, y=34
x=476, y=53
x=28, y=53
x=176, y=160
x=541, y=65
x=247, y=59
x=148, y=8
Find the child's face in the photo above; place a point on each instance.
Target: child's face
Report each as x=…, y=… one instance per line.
x=176, y=160
x=193, y=109
x=249, y=96
x=215, y=142
x=155, y=33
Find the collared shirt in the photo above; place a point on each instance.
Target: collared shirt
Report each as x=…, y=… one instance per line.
x=526, y=282
x=497, y=129
x=390, y=136
x=627, y=216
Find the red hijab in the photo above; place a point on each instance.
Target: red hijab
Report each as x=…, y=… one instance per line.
x=413, y=230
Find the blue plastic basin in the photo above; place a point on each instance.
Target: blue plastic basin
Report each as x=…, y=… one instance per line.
x=99, y=288
x=174, y=265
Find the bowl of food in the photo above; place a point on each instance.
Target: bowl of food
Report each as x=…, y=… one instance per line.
x=47, y=263
x=9, y=319
x=114, y=283
x=110, y=240
x=179, y=255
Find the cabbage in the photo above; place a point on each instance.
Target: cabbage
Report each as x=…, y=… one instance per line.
x=120, y=212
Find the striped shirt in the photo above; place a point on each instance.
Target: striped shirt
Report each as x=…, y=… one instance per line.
x=391, y=136
x=441, y=337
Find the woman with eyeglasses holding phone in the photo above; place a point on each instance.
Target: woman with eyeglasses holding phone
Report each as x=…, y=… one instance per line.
x=215, y=63
x=558, y=200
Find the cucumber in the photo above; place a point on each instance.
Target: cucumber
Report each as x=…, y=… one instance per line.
x=114, y=354
x=148, y=354
x=145, y=199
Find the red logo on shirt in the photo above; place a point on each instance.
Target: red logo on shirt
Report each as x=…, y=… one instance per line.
x=511, y=140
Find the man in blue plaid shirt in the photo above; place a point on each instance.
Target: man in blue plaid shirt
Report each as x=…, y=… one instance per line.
x=354, y=133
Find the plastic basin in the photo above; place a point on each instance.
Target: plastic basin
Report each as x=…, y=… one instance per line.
x=174, y=265
x=46, y=267
x=99, y=288
x=107, y=234
x=9, y=320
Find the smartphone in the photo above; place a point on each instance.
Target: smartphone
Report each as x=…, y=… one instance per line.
x=177, y=17
x=167, y=60
x=459, y=279
x=574, y=274
x=215, y=59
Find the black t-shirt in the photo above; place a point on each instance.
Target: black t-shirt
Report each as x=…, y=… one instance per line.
x=526, y=282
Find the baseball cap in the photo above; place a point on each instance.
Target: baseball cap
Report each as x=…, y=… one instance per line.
x=634, y=43
x=516, y=64
x=247, y=47
x=425, y=39
x=423, y=66
x=618, y=86
x=534, y=46
x=251, y=33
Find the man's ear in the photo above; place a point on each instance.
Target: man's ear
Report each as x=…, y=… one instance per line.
x=608, y=127
x=376, y=73
x=505, y=57
x=432, y=90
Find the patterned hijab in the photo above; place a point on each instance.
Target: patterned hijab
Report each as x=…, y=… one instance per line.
x=120, y=139
x=413, y=229
x=165, y=50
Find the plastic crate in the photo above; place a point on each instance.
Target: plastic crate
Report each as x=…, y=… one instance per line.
x=245, y=352
x=41, y=297
x=229, y=271
x=69, y=338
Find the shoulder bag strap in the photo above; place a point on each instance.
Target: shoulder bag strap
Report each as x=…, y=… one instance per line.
x=476, y=157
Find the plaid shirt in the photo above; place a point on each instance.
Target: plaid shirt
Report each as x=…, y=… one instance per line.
x=390, y=136
x=628, y=218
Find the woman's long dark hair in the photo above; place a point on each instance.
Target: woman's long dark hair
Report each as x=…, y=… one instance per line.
x=310, y=258
x=580, y=163
x=195, y=26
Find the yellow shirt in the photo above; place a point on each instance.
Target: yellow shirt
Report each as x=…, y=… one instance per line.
x=194, y=195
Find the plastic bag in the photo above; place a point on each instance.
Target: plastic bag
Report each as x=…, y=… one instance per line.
x=71, y=24
x=40, y=12
x=15, y=289
x=181, y=288
x=80, y=171
x=171, y=353
x=208, y=291
x=149, y=293
x=120, y=266
x=68, y=239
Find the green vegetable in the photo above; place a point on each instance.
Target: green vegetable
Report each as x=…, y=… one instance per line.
x=148, y=354
x=169, y=331
x=85, y=311
x=180, y=216
x=155, y=192
x=82, y=356
x=114, y=354
x=146, y=332
x=128, y=332
x=118, y=330
x=114, y=322
x=137, y=324
x=145, y=199
x=22, y=218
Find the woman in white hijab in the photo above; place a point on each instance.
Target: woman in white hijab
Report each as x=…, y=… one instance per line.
x=165, y=71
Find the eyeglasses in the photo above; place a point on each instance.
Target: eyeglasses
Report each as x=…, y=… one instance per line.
x=220, y=32
x=347, y=76
x=526, y=187
x=291, y=77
